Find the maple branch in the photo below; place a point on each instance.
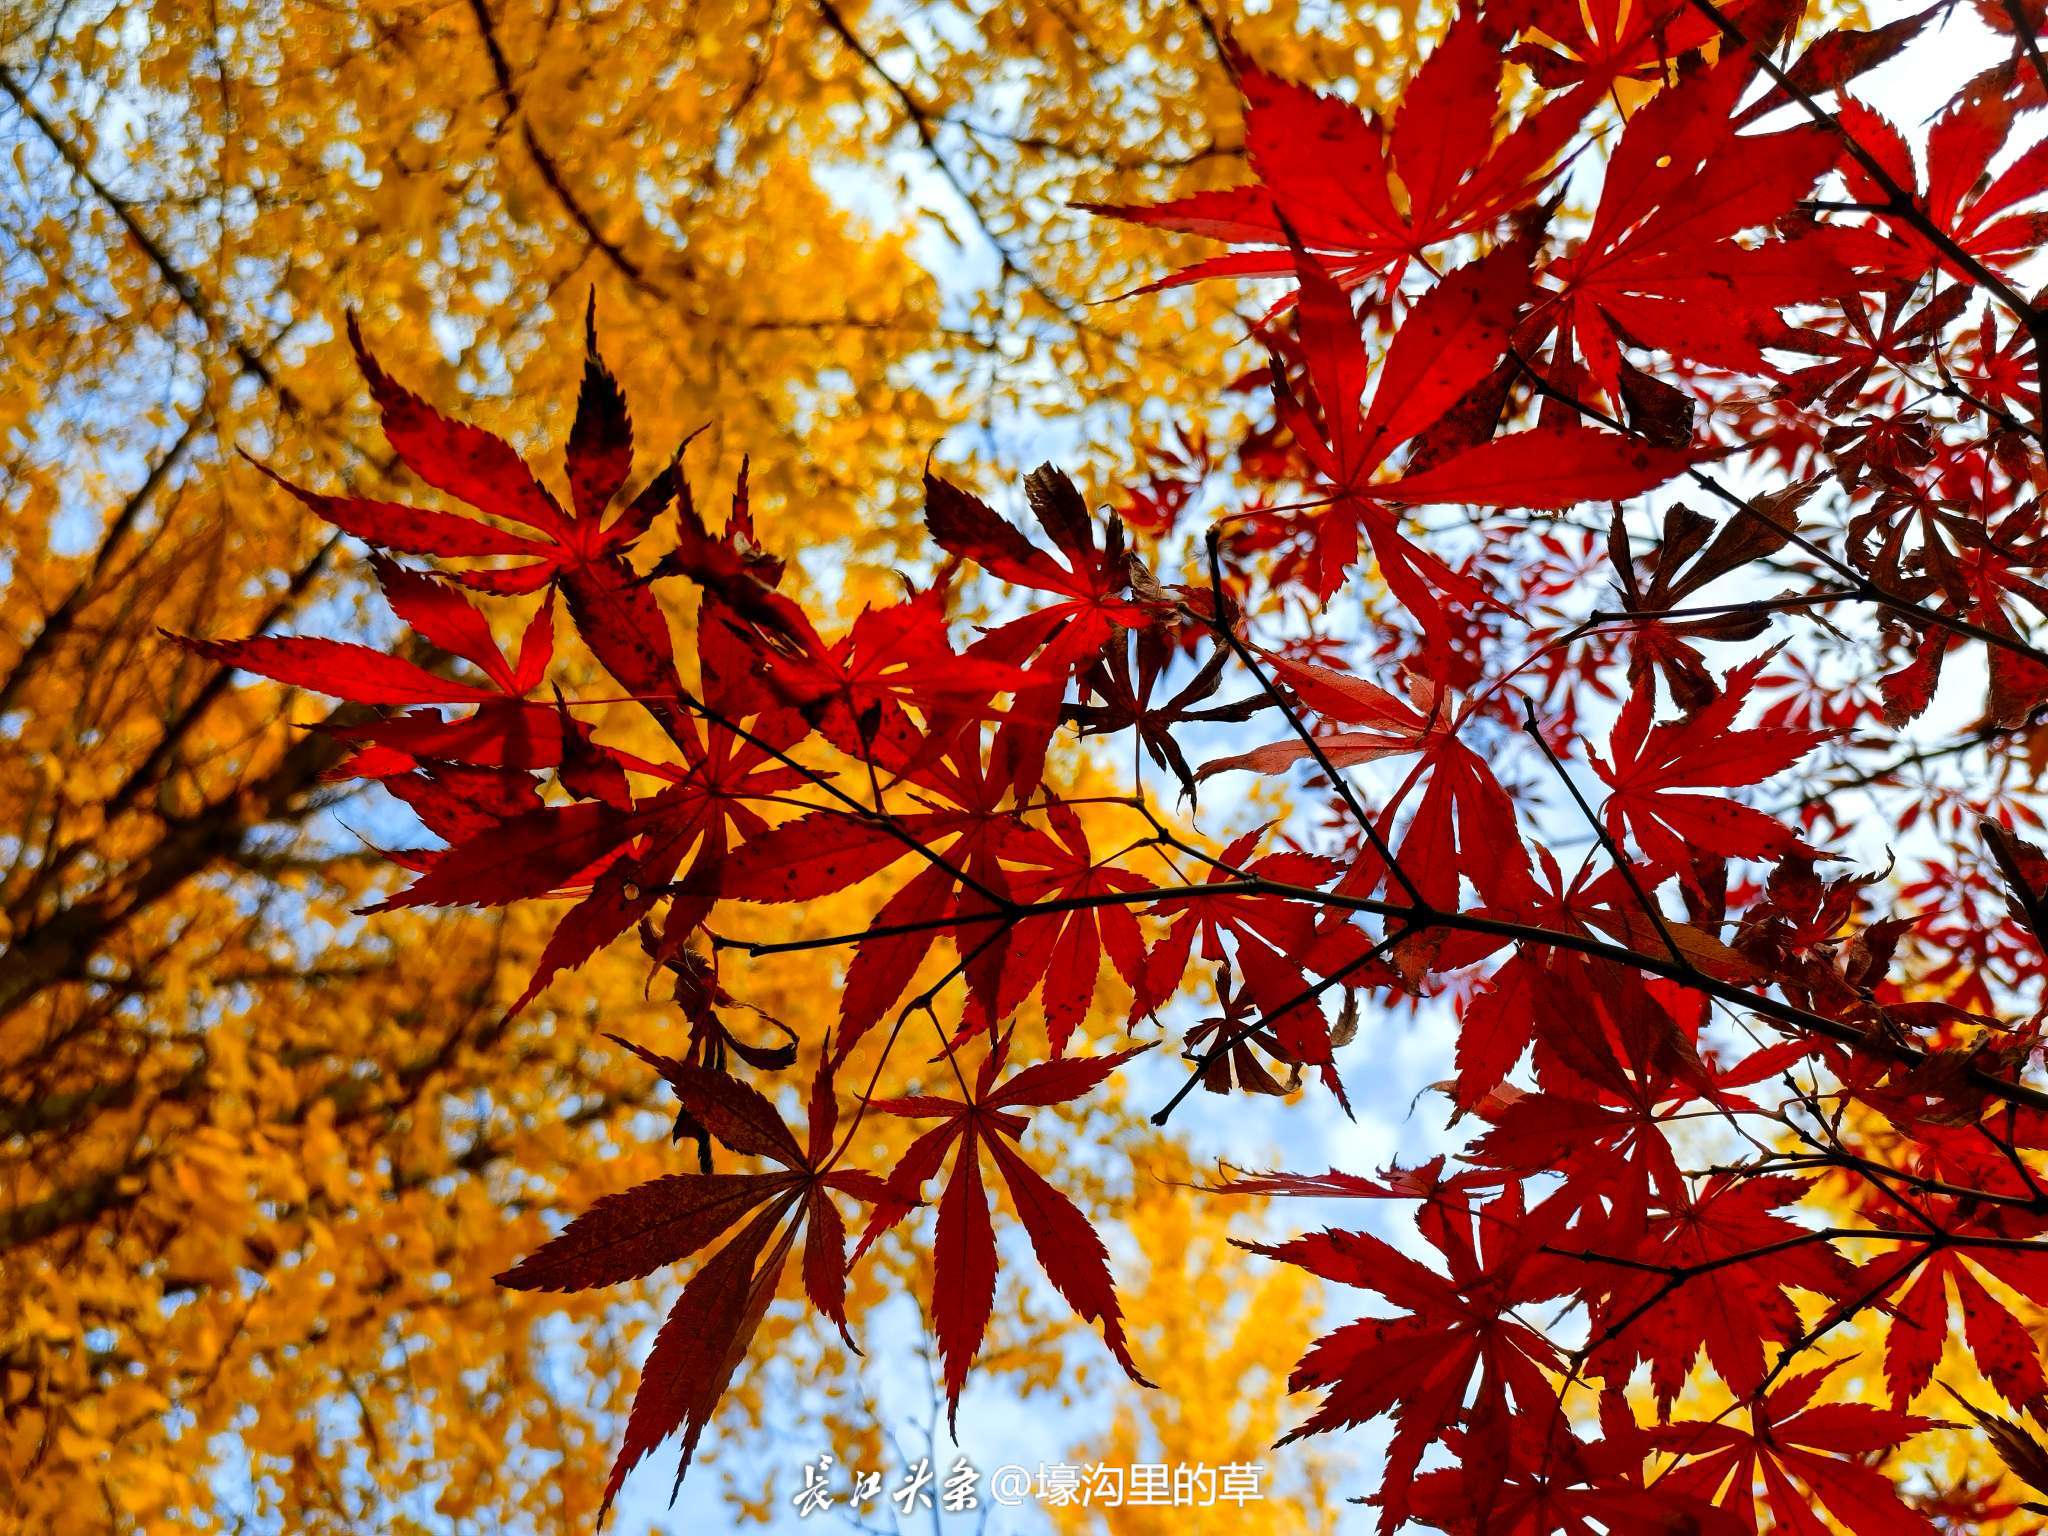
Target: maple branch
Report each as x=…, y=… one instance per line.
x=1902, y=202
x=1012, y=912
x=1418, y=918
x=1864, y=778
x=1841, y=1313
x=1626, y=867
x=1950, y=388
x=922, y=1003
x=1775, y=1010
x=2011, y=1154
x=1682, y=1273
x=2024, y=39
x=1783, y=602
x=1338, y=781
x=878, y=816
x=1874, y=1172
x=1677, y=1276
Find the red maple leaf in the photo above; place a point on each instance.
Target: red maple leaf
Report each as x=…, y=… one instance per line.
x=966, y=846
x=1456, y=1354
x=664, y=1221
x=488, y=474
x=1591, y=46
x=1065, y=950
x=1804, y=1453
x=2005, y=1351
x=1656, y=770
x=1273, y=941
x=438, y=614
x=1449, y=342
x=1986, y=216
x=1463, y=822
x=1094, y=584
x=1713, y=1272
x=990, y=1119
x=1368, y=197
x=1661, y=267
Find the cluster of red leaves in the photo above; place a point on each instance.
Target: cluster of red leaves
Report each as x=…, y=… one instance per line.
x=1699, y=967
